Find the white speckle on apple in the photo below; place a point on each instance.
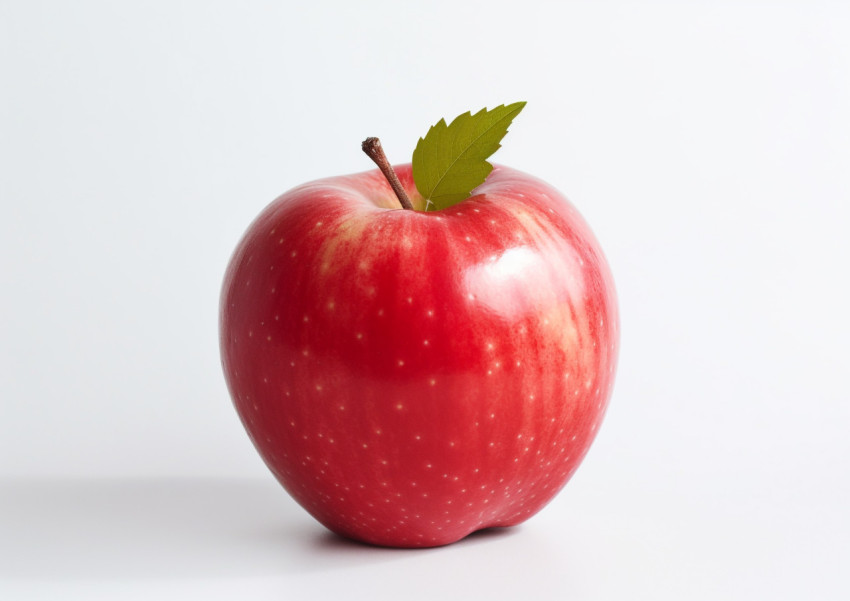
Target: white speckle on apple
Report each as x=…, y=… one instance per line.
x=359, y=335
x=399, y=406
x=425, y=342
x=432, y=382
x=430, y=313
x=293, y=254
x=401, y=363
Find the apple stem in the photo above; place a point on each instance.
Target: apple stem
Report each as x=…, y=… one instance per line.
x=372, y=147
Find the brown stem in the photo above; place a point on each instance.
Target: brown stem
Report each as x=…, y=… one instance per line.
x=372, y=147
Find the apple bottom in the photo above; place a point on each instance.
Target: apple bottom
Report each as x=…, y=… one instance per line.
x=389, y=467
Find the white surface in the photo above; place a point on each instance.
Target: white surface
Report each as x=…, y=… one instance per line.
x=707, y=143
x=225, y=539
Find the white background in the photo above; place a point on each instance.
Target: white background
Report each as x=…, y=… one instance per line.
x=707, y=143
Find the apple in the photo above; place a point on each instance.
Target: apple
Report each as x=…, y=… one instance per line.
x=411, y=377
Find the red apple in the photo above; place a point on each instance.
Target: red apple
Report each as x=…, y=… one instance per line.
x=411, y=377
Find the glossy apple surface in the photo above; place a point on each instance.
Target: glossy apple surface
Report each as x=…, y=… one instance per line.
x=412, y=377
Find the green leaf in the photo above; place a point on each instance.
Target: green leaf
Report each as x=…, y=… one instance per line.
x=451, y=160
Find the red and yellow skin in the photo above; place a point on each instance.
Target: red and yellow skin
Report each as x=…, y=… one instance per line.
x=411, y=377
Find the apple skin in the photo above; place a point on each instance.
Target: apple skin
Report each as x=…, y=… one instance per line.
x=413, y=377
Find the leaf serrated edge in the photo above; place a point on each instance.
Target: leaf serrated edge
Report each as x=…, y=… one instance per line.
x=509, y=116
